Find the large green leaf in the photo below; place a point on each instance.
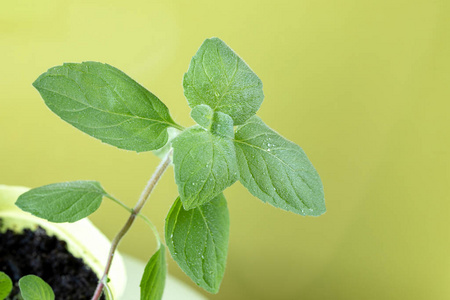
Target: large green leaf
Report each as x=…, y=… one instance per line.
x=198, y=241
x=63, y=202
x=205, y=165
x=5, y=285
x=219, y=78
x=276, y=170
x=106, y=104
x=34, y=288
x=154, y=277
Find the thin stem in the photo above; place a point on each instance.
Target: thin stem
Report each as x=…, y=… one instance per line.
x=108, y=291
x=177, y=126
x=143, y=217
x=129, y=209
x=162, y=167
x=155, y=231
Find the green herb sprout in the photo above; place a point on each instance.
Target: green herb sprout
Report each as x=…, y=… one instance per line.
x=230, y=143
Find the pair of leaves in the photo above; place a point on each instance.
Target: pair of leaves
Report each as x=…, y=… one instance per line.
x=31, y=288
x=105, y=103
x=271, y=167
x=223, y=91
x=215, y=121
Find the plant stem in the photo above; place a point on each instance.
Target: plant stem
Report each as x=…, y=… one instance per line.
x=130, y=210
x=162, y=167
x=178, y=126
x=153, y=228
x=143, y=217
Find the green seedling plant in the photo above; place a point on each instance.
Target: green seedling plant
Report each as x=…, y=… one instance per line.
x=228, y=144
x=31, y=288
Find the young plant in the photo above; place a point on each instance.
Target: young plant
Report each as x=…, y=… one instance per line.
x=31, y=288
x=230, y=143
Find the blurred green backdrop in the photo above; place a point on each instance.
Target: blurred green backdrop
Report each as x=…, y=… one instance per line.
x=362, y=86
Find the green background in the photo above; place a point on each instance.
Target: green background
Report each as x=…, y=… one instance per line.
x=362, y=86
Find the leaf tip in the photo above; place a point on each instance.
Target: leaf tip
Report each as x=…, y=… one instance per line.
x=317, y=210
x=214, y=39
x=188, y=205
x=320, y=211
x=36, y=83
x=20, y=202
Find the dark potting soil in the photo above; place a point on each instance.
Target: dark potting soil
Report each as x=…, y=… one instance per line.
x=34, y=252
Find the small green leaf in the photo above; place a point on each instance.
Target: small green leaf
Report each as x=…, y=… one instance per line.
x=198, y=241
x=105, y=103
x=219, y=78
x=63, y=202
x=205, y=165
x=34, y=288
x=276, y=170
x=217, y=122
x=203, y=115
x=222, y=125
x=154, y=277
x=5, y=285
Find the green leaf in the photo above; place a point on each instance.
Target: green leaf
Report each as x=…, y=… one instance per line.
x=63, y=202
x=222, y=125
x=198, y=241
x=34, y=288
x=217, y=122
x=5, y=285
x=219, y=78
x=105, y=103
x=205, y=165
x=203, y=115
x=276, y=170
x=154, y=278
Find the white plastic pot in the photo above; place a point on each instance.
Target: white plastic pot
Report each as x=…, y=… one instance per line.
x=83, y=239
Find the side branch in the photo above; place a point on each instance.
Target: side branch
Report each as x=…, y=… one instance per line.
x=162, y=167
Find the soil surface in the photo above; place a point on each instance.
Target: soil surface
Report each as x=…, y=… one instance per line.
x=34, y=252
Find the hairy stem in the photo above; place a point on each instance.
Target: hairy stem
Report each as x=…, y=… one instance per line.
x=162, y=167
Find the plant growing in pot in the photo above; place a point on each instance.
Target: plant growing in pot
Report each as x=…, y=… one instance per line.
x=229, y=143
x=66, y=255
